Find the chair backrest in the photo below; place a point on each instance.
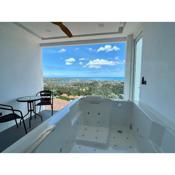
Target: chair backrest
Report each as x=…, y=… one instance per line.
x=4, y=117
x=46, y=95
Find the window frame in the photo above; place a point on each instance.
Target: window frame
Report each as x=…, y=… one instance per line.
x=99, y=41
x=138, y=37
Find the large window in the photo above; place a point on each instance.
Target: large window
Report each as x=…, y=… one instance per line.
x=88, y=69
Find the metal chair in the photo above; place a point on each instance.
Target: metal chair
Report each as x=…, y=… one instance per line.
x=46, y=99
x=12, y=115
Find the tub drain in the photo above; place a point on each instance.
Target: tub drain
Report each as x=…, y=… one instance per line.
x=120, y=131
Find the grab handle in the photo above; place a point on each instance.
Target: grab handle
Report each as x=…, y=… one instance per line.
x=40, y=138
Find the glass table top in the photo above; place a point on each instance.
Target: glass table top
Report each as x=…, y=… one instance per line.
x=28, y=98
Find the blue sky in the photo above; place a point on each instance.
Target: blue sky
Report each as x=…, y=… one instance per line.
x=90, y=60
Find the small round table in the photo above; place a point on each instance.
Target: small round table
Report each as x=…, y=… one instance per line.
x=30, y=100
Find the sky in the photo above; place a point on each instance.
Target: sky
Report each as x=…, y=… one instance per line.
x=86, y=60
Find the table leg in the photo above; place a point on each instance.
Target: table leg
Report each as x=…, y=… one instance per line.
x=34, y=108
x=30, y=111
x=36, y=114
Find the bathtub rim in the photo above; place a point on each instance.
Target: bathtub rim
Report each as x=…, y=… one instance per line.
x=28, y=140
x=22, y=143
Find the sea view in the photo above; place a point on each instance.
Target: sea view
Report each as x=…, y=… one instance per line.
x=87, y=78
x=81, y=70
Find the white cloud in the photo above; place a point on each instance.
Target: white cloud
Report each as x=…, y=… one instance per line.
x=69, y=61
x=90, y=49
x=81, y=59
x=108, y=48
x=62, y=50
x=98, y=63
x=80, y=63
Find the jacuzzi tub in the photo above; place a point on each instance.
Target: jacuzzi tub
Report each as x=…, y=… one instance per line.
x=94, y=124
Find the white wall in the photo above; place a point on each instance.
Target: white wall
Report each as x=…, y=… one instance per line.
x=20, y=66
x=158, y=68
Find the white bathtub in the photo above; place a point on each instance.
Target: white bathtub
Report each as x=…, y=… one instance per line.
x=95, y=124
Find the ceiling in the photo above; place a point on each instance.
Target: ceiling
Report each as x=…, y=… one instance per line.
x=49, y=34
x=47, y=30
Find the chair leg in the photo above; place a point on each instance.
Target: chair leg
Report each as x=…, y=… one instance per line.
x=34, y=108
x=52, y=108
x=24, y=126
x=16, y=123
x=41, y=118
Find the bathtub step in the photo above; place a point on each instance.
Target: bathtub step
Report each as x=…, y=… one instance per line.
x=93, y=136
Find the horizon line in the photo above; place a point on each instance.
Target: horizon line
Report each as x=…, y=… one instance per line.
x=82, y=77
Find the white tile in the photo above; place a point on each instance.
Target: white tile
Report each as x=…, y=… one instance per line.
x=117, y=142
x=93, y=134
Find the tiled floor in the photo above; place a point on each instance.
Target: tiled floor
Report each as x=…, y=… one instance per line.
x=93, y=135
x=12, y=134
x=122, y=140
x=118, y=140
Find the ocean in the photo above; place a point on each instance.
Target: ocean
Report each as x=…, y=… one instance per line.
x=89, y=78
